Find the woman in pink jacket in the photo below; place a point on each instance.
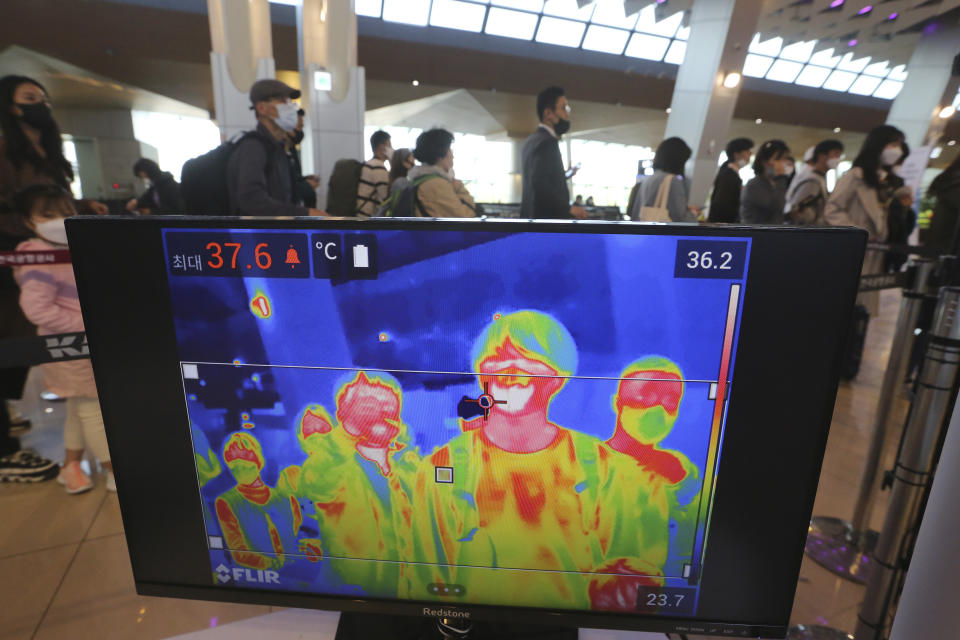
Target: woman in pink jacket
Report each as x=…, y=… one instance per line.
x=48, y=297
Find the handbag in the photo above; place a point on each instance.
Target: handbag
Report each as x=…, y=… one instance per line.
x=658, y=212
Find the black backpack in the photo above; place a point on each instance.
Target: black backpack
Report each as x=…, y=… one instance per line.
x=405, y=203
x=343, y=187
x=203, y=180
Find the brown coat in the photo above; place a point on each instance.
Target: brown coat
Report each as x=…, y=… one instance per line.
x=443, y=197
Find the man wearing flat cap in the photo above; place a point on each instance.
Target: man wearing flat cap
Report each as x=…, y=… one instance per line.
x=258, y=173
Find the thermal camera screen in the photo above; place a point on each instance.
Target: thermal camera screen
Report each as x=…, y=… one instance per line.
x=527, y=419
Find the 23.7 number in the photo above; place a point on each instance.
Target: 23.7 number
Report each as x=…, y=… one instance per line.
x=663, y=600
x=704, y=260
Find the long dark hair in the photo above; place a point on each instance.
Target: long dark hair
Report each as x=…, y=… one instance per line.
x=20, y=150
x=869, y=157
x=950, y=173
x=397, y=168
x=672, y=155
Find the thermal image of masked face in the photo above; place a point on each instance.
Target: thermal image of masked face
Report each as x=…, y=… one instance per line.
x=253, y=516
x=665, y=483
x=524, y=491
x=357, y=475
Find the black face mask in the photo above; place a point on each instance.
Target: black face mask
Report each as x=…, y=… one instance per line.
x=561, y=127
x=37, y=115
x=298, y=136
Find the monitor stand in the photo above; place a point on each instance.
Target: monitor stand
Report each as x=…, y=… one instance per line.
x=364, y=626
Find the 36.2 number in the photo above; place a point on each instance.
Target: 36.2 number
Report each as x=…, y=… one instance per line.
x=663, y=600
x=705, y=260
x=262, y=257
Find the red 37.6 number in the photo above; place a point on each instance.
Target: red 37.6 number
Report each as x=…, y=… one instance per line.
x=263, y=258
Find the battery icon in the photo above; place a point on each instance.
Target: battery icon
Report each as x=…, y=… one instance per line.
x=361, y=256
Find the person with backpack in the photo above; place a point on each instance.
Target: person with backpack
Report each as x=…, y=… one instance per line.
x=433, y=191
x=162, y=196
x=807, y=195
x=374, y=184
x=258, y=177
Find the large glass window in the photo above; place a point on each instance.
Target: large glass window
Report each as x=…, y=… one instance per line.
x=176, y=138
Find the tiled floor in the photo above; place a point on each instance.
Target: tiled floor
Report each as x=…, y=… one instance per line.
x=65, y=572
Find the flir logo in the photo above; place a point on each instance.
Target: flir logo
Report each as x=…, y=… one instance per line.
x=237, y=574
x=445, y=613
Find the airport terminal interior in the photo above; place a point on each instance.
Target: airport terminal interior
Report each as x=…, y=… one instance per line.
x=599, y=113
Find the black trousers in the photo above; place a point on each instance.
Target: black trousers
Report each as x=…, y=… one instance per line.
x=12, y=381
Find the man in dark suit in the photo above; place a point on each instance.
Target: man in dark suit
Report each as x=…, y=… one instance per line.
x=545, y=192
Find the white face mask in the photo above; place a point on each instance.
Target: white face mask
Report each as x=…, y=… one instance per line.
x=53, y=231
x=741, y=163
x=287, y=116
x=890, y=155
x=833, y=163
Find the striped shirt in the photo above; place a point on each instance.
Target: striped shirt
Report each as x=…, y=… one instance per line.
x=373, y=188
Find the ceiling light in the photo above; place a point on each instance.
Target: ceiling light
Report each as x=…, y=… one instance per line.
x=852, y=43
x=947, y=112
x=935, y=153
x=415, y=83
x=759, y=120
x=952, y=143
x=836, y=129
x=669, y=109
x=836, y=3
x=867, y=9
x=731, y=80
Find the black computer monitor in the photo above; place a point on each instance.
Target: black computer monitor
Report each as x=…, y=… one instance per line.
x=586, y=424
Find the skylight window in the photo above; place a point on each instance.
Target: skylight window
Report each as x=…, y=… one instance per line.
x=756, y=66
x=611, y=14
x=847, y=63
x=825, y=58
x=676, y=53
x=647, y=47
x=647, y=22
x=526, y=5
x=770, y=47
x=840, y=80
x=865, y=85
x=452, y=14
x=605, y=39
x=888, y=89
x=511, y=24
x=369, y=8
x=784, y=71
x=798, y=51
x=568, y=9
x=813, y=76
x=566, y=33
x=414, y=12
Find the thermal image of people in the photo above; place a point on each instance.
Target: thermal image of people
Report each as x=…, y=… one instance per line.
x=252, y=516
x=664, y=484
x=524, y=491
x=358, y=475
x=208, y=464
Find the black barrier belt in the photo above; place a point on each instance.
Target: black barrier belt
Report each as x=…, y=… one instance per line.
x=27, y=352
x=880, y=281
x=905, y=249
x=23, y=258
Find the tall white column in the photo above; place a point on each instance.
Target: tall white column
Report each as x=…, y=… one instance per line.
x=242, y=54
x=327, y=31
x=702, y=108
x=929, y=86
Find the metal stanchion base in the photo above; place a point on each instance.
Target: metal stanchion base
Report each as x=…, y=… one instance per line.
x=816, y=632
x=834, y=545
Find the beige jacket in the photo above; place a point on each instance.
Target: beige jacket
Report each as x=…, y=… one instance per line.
x=443, y=197
x=854, y=203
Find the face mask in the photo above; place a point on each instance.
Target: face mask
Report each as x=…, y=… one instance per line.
x=287, y=116
x=37, y=115
x=53, y=231
x=788, y=169
x=890, y=155
x=833, y=163
x=298, y=136
x=741, y=163
x=561, y=127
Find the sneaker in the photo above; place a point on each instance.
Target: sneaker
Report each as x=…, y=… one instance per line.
x=74, y=479
x=26, y=466
x=111, y=482
x=19, y=426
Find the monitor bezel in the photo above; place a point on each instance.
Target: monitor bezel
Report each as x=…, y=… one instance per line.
x=85, y=229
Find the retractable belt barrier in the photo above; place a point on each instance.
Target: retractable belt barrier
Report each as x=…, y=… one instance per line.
x=59, y=347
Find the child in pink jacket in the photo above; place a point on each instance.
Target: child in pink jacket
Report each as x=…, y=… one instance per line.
x=48, y=297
